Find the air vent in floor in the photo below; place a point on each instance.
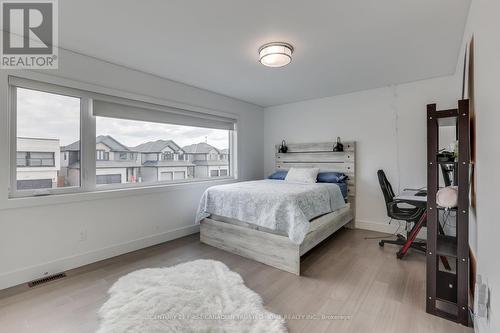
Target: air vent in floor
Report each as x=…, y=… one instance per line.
x=35, y=283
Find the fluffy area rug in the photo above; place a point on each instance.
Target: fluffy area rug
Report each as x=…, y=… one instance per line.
x=197, y=296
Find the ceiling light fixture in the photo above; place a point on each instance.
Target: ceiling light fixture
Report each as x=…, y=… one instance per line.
x=276, y=54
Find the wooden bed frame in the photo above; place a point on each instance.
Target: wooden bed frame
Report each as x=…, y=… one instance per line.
x=277, y=250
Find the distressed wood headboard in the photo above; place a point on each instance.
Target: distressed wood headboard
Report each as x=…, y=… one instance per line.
x=321, y=155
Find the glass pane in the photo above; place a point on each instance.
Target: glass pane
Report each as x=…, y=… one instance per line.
x=153, y=152
x=48, y=146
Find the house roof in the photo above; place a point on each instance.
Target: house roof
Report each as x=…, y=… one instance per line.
x=156, y=146
x=199, y=148
x=224, y=151
x=107, y=140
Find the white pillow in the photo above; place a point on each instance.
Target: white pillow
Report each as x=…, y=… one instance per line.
x=302, y=175
x=447, y=197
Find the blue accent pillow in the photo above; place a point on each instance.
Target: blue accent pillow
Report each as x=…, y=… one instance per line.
x=278, y=175
x=331, y=177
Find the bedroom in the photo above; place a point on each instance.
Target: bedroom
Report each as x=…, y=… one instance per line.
x=110, y=146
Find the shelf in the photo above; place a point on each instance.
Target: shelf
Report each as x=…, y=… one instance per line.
x=446, y=246
x=445, y=296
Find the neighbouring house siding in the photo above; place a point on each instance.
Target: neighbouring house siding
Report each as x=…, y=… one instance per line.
x=33, y=145
x=73, y=177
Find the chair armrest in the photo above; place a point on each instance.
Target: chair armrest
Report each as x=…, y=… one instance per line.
x=411, y=214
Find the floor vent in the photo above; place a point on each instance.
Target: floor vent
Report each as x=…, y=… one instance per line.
x=35, y=283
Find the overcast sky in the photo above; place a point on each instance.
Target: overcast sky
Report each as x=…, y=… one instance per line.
x=43, y=115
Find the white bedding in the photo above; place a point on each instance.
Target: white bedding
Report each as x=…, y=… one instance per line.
x=274, y=204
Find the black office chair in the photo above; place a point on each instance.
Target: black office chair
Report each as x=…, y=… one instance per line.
x=410, y=214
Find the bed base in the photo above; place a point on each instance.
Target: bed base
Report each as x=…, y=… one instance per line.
x=268, y=248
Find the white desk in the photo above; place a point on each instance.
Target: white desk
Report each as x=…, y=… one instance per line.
x=409, y=195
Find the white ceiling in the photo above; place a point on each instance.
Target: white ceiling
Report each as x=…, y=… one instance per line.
x=340, y=45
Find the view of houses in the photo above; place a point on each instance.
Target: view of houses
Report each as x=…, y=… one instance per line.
x=43, y=163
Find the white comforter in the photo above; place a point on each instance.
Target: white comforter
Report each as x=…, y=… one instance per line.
x=273, y=204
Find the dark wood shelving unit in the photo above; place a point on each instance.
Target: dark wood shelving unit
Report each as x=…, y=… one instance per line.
x=448, y=289
x=446, y=246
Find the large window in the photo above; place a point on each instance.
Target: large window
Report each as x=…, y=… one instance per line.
x=163, y=150
x=46, y=123
x=67, y=140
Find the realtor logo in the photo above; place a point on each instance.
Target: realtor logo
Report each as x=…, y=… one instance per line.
x=29, y=34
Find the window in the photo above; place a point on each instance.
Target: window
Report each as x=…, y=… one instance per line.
x=168, y=156
x=102, y=155
x=46, y=125
x=39, y=159
x=135, y=142
x=21, y=159
x=223, y=172
x=160, y=146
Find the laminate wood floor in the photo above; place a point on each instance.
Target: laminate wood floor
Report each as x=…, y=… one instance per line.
x=345, y=275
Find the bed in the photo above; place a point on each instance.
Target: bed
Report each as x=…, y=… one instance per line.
x=276, y=222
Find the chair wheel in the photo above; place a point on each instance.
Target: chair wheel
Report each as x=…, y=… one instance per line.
x=399, y=255
x=381, y=243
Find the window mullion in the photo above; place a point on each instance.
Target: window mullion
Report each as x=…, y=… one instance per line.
x=87, y=146
x=13, y=138
x=233, y=153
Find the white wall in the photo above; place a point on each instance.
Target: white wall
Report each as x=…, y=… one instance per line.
x=52, y=238
x=388, y=124
x=484, y=24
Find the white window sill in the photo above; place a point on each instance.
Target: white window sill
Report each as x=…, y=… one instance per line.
x=108, y=192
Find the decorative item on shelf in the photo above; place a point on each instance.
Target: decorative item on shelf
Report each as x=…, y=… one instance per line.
x=445, y=156
x=283, y=148
x=447, y=197
x=338, y=145
x=455, y=149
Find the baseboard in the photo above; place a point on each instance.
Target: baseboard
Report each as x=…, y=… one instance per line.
x=24, y=275
x=386, y=227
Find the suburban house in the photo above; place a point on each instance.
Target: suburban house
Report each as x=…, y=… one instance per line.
x=160, y=160
x=115, y=163
x=37, y=162
x=208, y=160
x=164, y=160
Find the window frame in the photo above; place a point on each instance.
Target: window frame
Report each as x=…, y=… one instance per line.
x=85, y=121
x=88, y=149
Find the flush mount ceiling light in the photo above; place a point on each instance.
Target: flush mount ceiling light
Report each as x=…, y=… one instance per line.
x=276, y=54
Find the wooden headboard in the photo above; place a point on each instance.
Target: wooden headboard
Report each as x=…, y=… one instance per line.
x=321, y=155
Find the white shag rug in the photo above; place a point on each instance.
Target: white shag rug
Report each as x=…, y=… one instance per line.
x=197, y=296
